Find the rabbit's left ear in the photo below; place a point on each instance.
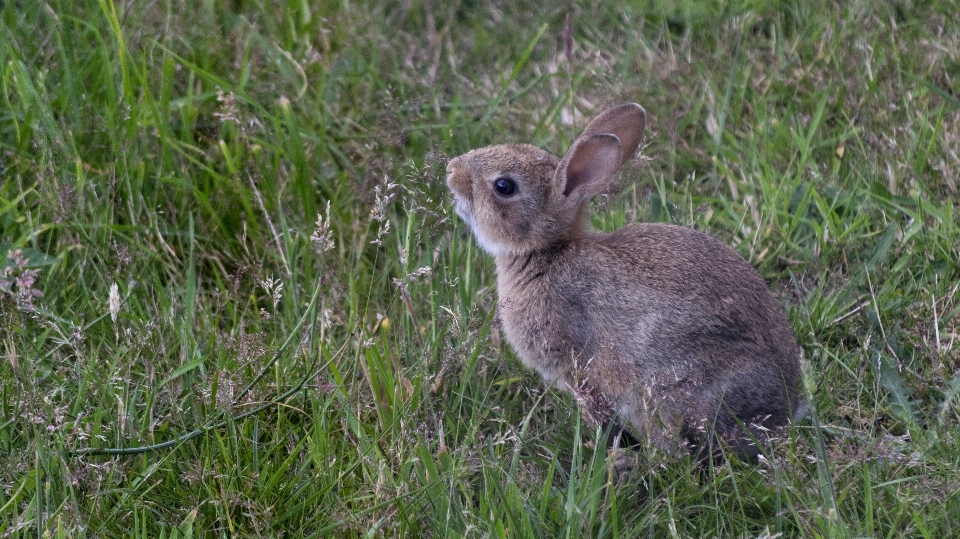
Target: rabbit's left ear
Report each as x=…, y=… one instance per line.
x=589, y=165
x=607, y=142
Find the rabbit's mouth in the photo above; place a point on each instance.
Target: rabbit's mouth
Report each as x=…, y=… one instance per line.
x=463, y=208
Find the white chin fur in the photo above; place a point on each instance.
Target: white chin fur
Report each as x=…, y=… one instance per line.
x=485, y=243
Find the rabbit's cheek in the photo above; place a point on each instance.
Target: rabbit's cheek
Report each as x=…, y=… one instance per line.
x=465, y=210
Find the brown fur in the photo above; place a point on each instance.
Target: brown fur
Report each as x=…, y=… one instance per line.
x=668, y=326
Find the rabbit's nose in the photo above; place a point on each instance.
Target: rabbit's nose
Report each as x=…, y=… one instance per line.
x=454, y=164
x=457, y=179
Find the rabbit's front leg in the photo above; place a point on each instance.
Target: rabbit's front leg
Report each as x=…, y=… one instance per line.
x=596, y=410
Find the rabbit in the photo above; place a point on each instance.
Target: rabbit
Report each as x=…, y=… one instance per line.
x=662, y=333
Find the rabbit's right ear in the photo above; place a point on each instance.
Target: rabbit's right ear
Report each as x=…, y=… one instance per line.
x=606, y=143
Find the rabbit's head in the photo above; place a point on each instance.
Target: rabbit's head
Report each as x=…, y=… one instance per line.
x=519, y=198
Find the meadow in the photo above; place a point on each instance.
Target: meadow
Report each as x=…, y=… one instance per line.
x=235, y=299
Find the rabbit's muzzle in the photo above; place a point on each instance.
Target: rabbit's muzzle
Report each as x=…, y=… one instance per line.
x=458, y=180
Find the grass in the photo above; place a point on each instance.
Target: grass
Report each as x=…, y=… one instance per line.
x=224, y=227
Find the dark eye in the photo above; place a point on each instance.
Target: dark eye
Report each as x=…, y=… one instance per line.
x=505, y=186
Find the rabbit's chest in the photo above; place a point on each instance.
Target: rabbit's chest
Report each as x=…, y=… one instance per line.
x=538, y=328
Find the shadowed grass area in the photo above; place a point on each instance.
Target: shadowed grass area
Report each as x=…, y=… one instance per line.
x=224, y=224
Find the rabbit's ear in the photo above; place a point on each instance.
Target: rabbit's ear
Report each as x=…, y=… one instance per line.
x=607, y=142
x=589, y=165
x=625, y=121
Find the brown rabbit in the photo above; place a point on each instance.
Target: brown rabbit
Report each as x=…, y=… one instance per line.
x=657, y=325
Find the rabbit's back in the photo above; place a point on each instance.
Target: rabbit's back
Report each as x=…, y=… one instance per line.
x=697, y=269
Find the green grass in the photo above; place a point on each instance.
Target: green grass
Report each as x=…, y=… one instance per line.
x=182, y=151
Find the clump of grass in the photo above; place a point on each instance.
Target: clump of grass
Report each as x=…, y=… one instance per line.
x=224, y=228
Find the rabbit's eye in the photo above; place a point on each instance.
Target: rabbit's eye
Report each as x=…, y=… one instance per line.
x=505, y=186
